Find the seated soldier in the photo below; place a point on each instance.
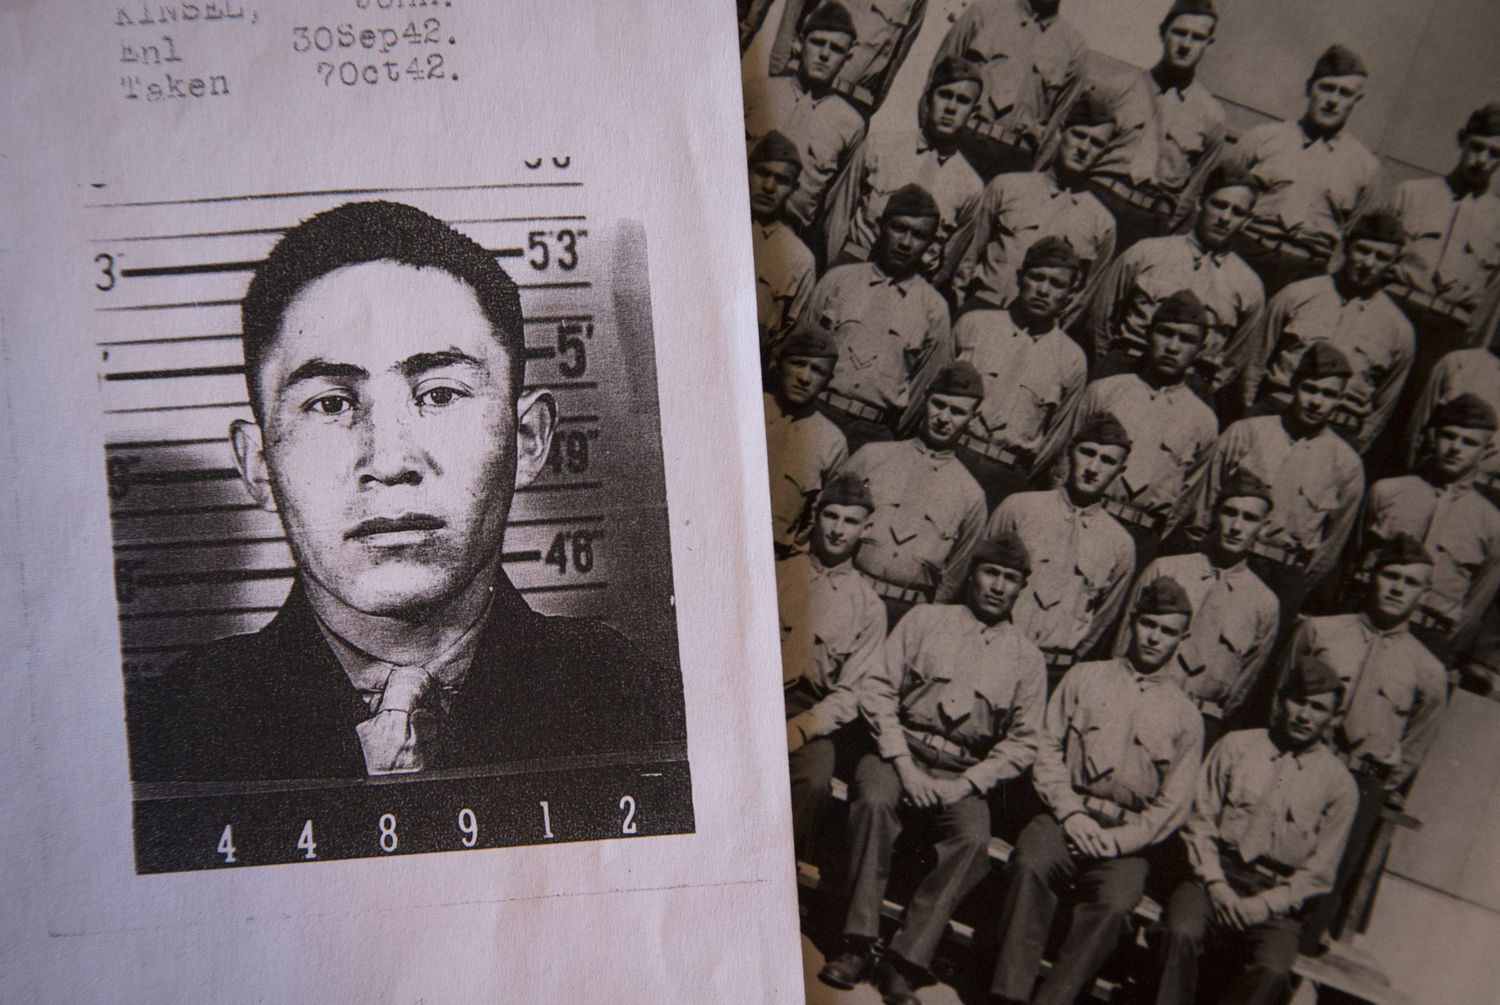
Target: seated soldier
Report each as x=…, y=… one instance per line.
x=890, y=159
x=929, y=512
x=806, y=109
x=1467, y=371
x=1116, y=765
x=884, y=33
x=1171, y=426
x=1082, y=556
x=1264, y=838
x=1017, y=210
x=784, y=268
x=880, y=383
x=1349, y=310
x=803, y=449
x=1033, y=372
x=956, y=712
x=1397, y=692
x=1235, y=615
x=832, y=633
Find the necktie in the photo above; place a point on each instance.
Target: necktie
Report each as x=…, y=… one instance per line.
x=390, y=739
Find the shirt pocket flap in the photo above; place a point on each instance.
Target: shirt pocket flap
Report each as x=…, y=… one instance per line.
x=897, y=12
x=1238, y=635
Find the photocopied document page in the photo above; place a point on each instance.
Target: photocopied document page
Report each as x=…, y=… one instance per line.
x=386, y=607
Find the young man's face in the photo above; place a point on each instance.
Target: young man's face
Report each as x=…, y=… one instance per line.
x=1095, y=466
x=1186, y=39
x=949, y=107
x=837, y=530
x=1460, y=450
x=803, y=378
x=946, y=418
x=1478, y=158
x=1238, y=520
x=1313, y=401
x=1044, y=290
x=1155, y=637
x=993, y=590
x=391, y=436
x=1367, y=263
x=1225, y=212
x=823, y=55
x=1081, y=146
x=903, y=241
x=1400, y=589
x=1305, y=718
x=1331, y=100
x=1172, y=347
x=770, y=184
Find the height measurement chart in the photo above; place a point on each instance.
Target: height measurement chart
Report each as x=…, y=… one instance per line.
x=197, y=560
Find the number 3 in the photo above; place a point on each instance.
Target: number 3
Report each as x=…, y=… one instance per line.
x=627, y=803
x=108, y=270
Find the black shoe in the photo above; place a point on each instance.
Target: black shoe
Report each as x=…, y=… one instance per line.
x=846, y=970
x=893, y=986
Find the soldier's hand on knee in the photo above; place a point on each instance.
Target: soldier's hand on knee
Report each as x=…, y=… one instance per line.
x=1224, y=901
x=794, y=738
x=951, y=790
x=1253, y=911
x=1087, y=836
x=920, y=787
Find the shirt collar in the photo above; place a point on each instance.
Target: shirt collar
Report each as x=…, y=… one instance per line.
x=878, y=277
x=1369, y=627
x=1332, y=141
x=936, y=456
x=1200, y=252
x=1082, y=511
x=1028, y=14
x=368, y=672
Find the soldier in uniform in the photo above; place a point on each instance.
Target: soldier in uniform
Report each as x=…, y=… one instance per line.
x=1033, y=372
x=1348, y=309
x=956, y=712
x=1171, y=427
x=1019, y=209
x=1316, y=480
x=1144, y=274
x=1235, y=615
x=1466, y=371
x=927, y=156
x=1397, y=691
x=1116, y=766
x=891, y=326
x=803, y=448
x=1268, y=825
x=884, y=31
x=1318, y=177
x=1083, y=558
x=1032, y=63
x=784, y=267
x=832, y=636
x=929, y=511
x=806, y=109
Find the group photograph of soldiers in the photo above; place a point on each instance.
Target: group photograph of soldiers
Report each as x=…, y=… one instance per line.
x=1134, y=488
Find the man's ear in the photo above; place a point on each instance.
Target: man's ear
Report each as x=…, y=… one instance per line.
x=250, y=459
x=536, y=420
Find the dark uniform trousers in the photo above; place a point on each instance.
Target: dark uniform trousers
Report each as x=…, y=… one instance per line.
x=990, y=155
x=1137, y=214
x=1330, y=914
x=1277, y=268
x=1257, y=961
x=1107, y=889
x=996, y=479
x=811, y=766
x=857, y=432
x=963, y=833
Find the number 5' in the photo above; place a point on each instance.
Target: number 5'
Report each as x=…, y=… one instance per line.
x=627, y=803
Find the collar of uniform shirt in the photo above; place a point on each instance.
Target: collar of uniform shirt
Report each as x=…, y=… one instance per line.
x=832, y=573
x=879, y=277
x=1200, y=252
x=1028, y=15
x=1460, y=190
x=1329, y=140
x=368, y=672
x=1371, y=628
x=1169, y=78
x=1162, y=675
x=1084, y=512
x=937, y=456
x=924, y=145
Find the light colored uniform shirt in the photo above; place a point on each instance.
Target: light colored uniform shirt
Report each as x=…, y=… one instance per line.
x=958, y=695
x=832, y=636
x=1031, y=383
x=803, y=453
x=893, y=337
x=929, y=515
x=1452, y=246
x=1081, y=563
x=1290, y=810
x=824, y=131
x=1395, y=690
x=1150, y=271
x=1316, y=486
x=784, y=277
x=1372, y=332
x=1229, y=639
x=1460, y=529
x=1314, y=188
x=1015, y=211
x=1466, y=371
x=1171, y=431
x=884, y=32
x=1123, y=747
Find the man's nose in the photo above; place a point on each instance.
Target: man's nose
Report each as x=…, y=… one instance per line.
x=390, y=456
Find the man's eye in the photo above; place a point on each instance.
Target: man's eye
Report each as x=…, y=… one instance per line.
x=330, y=404
x=439, y=396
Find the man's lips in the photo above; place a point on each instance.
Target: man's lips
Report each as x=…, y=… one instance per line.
x=388, y=525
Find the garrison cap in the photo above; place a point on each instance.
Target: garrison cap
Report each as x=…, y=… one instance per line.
x=1205, y=7
x=846, y=490
x=1104, y=430
x=1403, y=549
x=1338, y=62
x=1485, y=121
x=1051, y=252
x=1381, y=225
x=1164, y=596
x=832, y=16
x=952, y=69
x=775, y=147
x=959, y=379
x=1006, y=549
x=1232, y=175
x=1467, y=411
x=1088, y=110
x=1319, y=360
x=1242, y=484
x=1182, y=307
x=911, y=199
x=809, y=341
x=1311, y=675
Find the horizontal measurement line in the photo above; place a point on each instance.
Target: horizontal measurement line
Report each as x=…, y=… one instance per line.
x=570, y=588
x=521, y=556
x=157, y=444
x=176, y=408
x=139, y=514
x=235, y=369
x=580, y=284
x=149, y=650
x=189, y=270
x=563, y=385
x=180, y=477
x=201, y=233
x=561, y=487
x=567, y=419
x=226, y=542
x=313, y=193
x=513, y=219
x=178, y=338
x=551, y=520
x=206, y=577
x=550, y=319
x=166, y=307
x=199, y=612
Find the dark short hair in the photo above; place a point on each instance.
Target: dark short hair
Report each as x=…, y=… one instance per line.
x=360, y=232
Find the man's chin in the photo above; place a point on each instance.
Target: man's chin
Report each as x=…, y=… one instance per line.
x=398, y=589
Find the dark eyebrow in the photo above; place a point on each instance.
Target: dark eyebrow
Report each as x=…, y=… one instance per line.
x=423, y=361
x=314, y=368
